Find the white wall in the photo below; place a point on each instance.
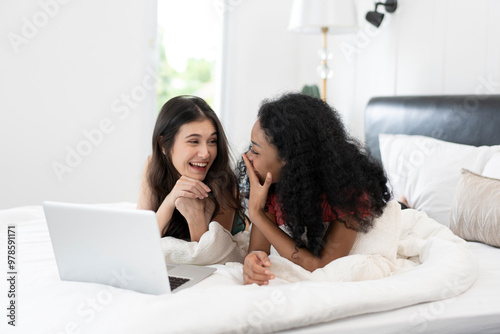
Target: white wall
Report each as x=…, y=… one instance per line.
x=70, y=68
x=427, y=47
x=261, y=62
x=78, y=67
x=430, y=47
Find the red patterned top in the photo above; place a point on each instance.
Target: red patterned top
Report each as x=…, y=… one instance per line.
x=274, y=207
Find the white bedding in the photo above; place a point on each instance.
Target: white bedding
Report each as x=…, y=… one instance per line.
x=477, y=310
x=373, y=254
x=222, y=304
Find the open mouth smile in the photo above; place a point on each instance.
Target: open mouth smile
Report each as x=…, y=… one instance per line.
x=199, y=166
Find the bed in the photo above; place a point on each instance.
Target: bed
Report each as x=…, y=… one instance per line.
x=463, y=119
x=452, y=288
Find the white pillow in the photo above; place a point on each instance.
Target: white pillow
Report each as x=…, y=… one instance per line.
x=426, y=170
x=492, y=168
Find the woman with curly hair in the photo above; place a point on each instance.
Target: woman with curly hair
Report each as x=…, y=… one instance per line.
x=312, y=186
x=188, y=180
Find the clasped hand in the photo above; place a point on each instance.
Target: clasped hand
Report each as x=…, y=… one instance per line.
x=193, y=208
x=255, y=268
x=190, y=198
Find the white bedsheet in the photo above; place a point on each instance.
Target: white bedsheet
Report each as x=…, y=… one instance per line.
x=477, y=310
x=221, y=303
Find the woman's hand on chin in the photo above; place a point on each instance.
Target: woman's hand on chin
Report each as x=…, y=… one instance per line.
x=258, y=192
x=188, y=188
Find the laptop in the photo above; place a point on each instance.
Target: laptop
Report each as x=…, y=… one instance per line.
x=118, y=247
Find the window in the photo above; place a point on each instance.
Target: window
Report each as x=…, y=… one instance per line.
x=190, y=44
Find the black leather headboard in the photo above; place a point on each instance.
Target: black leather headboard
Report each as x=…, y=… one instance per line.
x=464, y=119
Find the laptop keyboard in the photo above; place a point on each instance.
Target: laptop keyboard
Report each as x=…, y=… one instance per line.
x=176, y=282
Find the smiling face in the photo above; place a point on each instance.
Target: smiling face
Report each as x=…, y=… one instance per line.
x=195, y=149
x=264, y=156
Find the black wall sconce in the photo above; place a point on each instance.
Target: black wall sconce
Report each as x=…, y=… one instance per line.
x=375, y=17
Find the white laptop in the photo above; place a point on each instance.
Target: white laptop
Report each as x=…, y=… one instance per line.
x=118, y=247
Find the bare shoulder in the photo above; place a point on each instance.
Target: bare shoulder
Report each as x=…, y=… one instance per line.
x=148, y=161
x=144, y=200
x=225, y=217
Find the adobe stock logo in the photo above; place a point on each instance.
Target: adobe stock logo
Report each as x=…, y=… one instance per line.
x=31, y=27
x=74, y=157
x=120, y=109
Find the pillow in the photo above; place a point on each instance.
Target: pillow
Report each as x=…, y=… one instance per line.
x=426, y=170
x=475, y=212
x=492, y=168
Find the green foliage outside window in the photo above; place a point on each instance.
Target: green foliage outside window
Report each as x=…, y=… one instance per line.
x=197, y=79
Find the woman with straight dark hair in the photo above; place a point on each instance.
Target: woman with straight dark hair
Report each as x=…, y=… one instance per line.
x=188, y=180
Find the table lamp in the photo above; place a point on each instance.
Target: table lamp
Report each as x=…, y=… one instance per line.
x=325, y=17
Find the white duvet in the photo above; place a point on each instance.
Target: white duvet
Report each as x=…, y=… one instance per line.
x=431, y=264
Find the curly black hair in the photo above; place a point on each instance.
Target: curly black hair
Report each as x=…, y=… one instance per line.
x=322, y=162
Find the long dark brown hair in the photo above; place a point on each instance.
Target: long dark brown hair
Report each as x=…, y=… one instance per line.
x=162, y=174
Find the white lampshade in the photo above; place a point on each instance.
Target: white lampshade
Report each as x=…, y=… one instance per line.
x=309, y=16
